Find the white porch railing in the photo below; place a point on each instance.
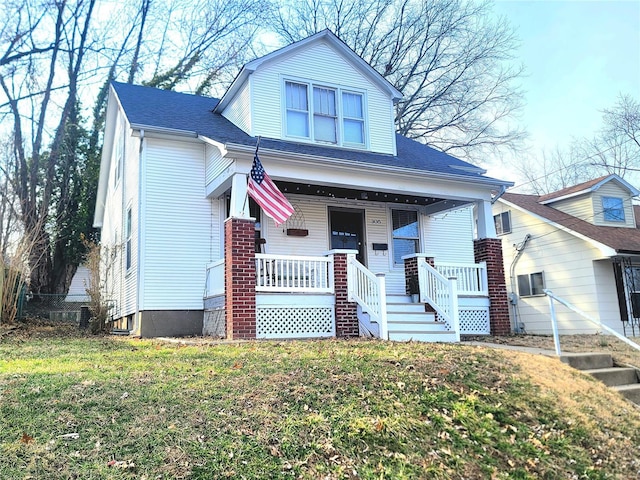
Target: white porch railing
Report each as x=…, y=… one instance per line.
x=471, y=277
x=441, y=293
x=369, y=291
x=214, y=284
x=554, y=322
x=288, y=273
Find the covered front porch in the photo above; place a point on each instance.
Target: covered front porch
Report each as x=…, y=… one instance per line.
x=338, y=266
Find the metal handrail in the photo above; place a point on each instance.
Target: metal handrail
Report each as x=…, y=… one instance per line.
x=554, y=322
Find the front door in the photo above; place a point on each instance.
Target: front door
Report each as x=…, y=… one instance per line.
x=347, y=231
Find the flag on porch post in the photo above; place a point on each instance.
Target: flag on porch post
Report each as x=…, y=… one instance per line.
x=262, y=189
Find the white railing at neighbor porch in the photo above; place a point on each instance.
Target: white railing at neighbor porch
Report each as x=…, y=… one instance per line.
x=554, y=322
x=287, y=273
x=369, y=291
x=471, y=277
x=441, y=293
x=215, y=279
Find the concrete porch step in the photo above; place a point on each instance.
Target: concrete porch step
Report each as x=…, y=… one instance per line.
x=587, y=361
x=614, y=376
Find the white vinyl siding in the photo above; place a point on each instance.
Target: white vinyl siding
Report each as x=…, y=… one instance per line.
x=580, y=207
x=215, y=164
x=449, y=236
x=178, y=226
x=310, y=65
x=238, y=111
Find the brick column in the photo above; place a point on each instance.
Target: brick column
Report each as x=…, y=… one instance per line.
x=490, y=250
x=411, y=269
x=240, y=278
x=346, y=311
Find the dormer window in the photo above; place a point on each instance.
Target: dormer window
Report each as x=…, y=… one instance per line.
x=613, y=209
x=331, y=115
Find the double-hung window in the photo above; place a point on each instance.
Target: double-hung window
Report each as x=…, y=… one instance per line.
x=352, y=118
x=613, y=209
x=406, y=237
x=297, y=105
x=324, y=114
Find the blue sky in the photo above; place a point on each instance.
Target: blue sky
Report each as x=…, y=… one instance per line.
x=578, y=55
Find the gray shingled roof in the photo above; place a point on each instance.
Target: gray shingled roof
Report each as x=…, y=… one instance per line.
x=155, y=108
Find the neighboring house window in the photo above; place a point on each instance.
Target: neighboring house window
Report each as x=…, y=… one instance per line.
x=127, y=246
x=613, y=209
x=405, y=233
x=329, y=116
x=503, y=222
x=531, y=284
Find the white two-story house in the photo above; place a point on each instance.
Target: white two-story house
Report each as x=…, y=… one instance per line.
x=377, y=215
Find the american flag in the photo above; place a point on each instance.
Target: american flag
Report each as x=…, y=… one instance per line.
x=266, y=194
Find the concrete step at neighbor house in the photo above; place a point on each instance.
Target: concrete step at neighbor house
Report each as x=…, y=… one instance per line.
x=630, y=392
x=624, y=380
x=587, y=361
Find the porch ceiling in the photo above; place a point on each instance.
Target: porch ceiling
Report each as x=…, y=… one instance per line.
x=355, y=194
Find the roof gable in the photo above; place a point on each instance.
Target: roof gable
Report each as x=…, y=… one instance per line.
x=622, y=240
x=587, y=187
x=328, y=38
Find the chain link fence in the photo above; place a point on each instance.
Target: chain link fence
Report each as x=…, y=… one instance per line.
x=58, y=308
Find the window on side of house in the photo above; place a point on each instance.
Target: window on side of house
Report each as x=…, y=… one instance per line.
x=613, y=209
x=531, y=284
x=503, y=222
x=127, y=246
x=118, y=154
x=406, y=237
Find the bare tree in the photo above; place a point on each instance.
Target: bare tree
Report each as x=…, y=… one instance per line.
x=450, y=60
x=613, y=149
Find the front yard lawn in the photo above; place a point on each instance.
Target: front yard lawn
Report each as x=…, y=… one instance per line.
x=102, y=407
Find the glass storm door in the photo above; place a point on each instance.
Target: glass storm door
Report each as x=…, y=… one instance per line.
x=347, y=231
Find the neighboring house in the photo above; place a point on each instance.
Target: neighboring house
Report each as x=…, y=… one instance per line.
x=78, y=287
x=583, y=244
x=191, y=251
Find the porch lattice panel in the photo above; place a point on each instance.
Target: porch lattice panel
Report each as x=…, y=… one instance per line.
x=295, y=322
x=474, y=321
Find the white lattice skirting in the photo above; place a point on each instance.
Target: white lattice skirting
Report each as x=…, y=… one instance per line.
x=295, y=322
x=474, y=321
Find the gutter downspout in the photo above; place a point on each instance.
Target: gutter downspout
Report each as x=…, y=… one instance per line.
x=513, y=297
x=502, y=191
x=139, y=281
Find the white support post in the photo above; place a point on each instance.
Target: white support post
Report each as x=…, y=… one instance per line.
x=455, y=317
x=239, y=205
x=382, y=286
x=554, y=325
x=486, y=225
x=350, y=276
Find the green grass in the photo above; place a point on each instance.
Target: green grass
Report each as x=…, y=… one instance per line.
x=313, y=409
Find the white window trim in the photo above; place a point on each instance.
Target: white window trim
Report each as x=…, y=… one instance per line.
x=128, y=239
x=339, y=112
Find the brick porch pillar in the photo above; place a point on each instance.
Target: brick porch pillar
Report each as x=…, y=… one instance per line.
x=490, y=250
x=346, y=311
x=240, y=278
